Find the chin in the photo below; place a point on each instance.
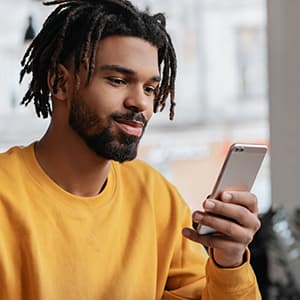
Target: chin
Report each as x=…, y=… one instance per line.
x=119, y=154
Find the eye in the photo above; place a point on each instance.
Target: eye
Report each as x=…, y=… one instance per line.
x=150, y=90
x=116, y=81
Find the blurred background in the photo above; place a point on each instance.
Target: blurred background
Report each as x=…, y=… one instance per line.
x=238, y=81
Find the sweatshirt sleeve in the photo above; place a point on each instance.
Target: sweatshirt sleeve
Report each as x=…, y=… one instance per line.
x=232, y=283
x=194, y=275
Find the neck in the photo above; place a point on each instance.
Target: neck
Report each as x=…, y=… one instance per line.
x=68, y=161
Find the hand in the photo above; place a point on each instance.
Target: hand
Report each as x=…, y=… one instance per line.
x=234, y=234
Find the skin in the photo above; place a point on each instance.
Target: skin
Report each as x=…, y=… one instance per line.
x=126, y=75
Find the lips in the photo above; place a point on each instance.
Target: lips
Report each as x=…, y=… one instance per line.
x=131, y=127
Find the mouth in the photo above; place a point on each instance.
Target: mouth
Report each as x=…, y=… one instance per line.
x=131, y=127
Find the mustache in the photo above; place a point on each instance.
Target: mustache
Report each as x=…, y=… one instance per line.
x=130, y=116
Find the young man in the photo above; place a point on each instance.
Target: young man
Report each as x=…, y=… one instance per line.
x=79, y=217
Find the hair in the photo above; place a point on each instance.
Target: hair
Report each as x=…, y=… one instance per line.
x=73, y=31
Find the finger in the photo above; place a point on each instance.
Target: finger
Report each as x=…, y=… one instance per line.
x=229, y=228
x=220, y=242
x=216, y=241
x=238, y=213
x=245, y=199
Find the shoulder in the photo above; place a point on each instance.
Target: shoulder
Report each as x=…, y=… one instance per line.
x=11, y=159
x=141, y=176
x=9, y=156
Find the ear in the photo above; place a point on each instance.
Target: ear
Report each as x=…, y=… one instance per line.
x=59, y=83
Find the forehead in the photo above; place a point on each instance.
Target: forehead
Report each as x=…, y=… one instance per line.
x=130, y=52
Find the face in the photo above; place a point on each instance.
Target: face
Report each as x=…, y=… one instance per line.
x=111, y=113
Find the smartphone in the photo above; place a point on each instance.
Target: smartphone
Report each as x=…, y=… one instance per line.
x=238, y=172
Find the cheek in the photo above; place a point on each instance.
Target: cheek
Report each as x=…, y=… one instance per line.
x=149, y=113
x=102, y=103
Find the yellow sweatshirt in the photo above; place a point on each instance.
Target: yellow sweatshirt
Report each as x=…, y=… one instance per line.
x=123, y=244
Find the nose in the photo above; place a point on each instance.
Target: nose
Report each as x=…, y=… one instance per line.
x=137, y=100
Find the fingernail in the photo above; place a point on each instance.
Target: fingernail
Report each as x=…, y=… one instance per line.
x=226, y=196
x=186, y=232
x=197, y=217
x=209, y=204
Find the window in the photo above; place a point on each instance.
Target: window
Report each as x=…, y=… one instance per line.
x=251, y=62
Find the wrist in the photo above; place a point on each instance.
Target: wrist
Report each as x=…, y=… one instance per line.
x=223, y=261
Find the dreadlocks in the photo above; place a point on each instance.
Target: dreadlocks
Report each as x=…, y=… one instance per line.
x=73, y=31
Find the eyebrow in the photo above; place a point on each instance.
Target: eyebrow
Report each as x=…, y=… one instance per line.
x=125, y=71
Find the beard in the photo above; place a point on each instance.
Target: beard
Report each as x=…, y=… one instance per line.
x=100, y=134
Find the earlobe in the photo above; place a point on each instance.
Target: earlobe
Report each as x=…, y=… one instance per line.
x=59, y=82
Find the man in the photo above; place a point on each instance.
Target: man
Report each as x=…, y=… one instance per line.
x=79, y=217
